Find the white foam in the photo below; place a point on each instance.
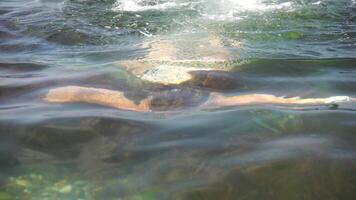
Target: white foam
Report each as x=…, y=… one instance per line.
x=255, y=5
x=139, y=5
x=219, y=10
x=226, y=6
x=231, y=9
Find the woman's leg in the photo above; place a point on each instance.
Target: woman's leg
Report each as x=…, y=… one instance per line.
x=116, y=99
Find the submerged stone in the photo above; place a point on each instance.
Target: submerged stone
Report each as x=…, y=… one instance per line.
x=20, y=182
x=64, y=189
x=6, y=196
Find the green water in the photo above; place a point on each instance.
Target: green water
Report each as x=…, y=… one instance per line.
x=87, y=152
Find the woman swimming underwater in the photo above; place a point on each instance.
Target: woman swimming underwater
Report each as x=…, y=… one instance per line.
x=161, y=66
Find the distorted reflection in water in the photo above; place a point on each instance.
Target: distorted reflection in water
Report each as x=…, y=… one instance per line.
x=80, y=151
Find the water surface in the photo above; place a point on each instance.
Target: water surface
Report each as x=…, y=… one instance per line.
x=78, y=151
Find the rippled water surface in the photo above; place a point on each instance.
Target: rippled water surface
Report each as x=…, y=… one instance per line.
x=79, y=151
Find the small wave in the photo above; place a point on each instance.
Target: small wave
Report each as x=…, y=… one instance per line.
x=254, y=5
x=214, y=10
x=232, y=10
x=141, y=5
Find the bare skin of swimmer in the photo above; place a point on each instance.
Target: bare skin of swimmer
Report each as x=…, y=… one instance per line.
x=117, y=99
x=166, y=51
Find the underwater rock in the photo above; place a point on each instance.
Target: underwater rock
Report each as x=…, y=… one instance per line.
x=48, y=184
x=8, y=146
x=283, y=179
x=55, y=137
x=63, y=189
x=5, y=196
x=19, y=182
x=70, y=36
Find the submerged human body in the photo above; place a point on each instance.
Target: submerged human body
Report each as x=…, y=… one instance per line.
x=117, y=99
x=161, y=66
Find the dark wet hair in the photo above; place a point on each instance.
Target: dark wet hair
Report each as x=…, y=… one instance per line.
x=178, y=98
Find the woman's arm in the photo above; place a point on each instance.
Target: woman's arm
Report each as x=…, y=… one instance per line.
x=116, y=99
x=218, y=100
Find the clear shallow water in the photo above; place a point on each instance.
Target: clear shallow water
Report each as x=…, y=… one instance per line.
x=78, y=151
